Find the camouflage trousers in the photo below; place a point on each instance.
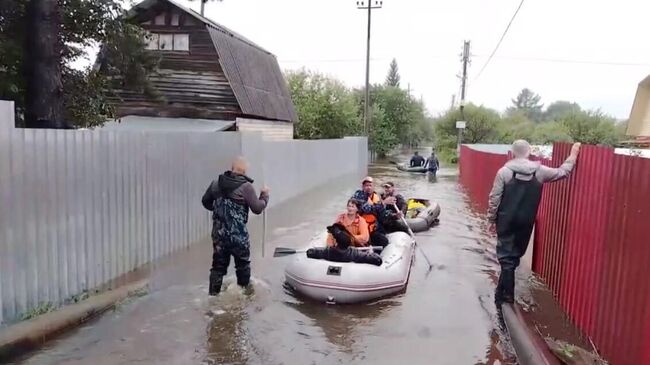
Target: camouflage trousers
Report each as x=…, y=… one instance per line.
x=224, y=248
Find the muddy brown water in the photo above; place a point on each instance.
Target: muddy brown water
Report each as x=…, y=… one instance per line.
x=445, y=317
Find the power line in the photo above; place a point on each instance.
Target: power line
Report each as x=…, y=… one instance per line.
x=500, y=40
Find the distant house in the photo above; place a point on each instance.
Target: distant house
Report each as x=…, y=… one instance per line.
x=208, y=72
x=639, y=123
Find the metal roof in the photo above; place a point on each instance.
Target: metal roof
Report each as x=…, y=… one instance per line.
x=253, y=72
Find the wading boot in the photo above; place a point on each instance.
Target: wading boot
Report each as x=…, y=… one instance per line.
x=215, y=284
x=508, y=286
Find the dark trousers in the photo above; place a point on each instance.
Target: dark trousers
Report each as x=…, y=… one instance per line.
x=512, y=242
x=378, y=238
x=223, y=249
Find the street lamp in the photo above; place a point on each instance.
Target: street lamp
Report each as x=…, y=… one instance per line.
x=368, y=5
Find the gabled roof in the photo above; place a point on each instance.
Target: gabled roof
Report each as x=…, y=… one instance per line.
x=253, y=72
x=639, y=122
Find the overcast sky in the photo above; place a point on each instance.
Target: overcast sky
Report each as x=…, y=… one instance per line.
x=426, y=37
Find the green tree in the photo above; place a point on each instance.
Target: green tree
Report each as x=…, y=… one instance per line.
x=591, y=127
x=515, y=126
x=550, y=132
x=398, y=110
x=393, y=77
x=73, y=97
x=560, y=109
x=528, y=102
x=325, y=107
x=383, y=137
x=482, y=124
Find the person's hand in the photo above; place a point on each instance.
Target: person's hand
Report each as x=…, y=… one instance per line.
x=390, y=200
x=575, y=149
x=400, y=215
x=492, y=229
x=266, y=190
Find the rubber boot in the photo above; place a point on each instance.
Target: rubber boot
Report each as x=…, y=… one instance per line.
x=498, y=292
x=508, y=286
x=215, y=284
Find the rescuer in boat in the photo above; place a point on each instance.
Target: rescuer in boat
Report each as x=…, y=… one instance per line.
x=353, y=223
x=372, y=209
x=513, y=204
x=432, y=164
x=229, y=198
x=343, y=251
x=417, y=160
x=391, y=219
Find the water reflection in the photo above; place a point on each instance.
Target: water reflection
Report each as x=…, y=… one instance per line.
x=343, y=324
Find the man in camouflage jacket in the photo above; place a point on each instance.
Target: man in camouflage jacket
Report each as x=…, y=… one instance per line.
x=229, y=198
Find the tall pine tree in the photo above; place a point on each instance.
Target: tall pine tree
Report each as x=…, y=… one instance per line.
x=393, y=77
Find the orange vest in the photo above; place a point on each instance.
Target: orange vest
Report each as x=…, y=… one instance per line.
x=370, y=217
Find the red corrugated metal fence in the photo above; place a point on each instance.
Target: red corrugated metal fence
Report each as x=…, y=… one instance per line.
x=592, y=243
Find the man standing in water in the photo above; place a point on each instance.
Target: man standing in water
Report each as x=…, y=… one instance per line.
x=416, y=160
x=229, y=198
x=513, y=204
x=432, y=165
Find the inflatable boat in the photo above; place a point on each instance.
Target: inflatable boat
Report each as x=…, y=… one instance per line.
x=422, y=214
x=344, y=283
x=417, y=169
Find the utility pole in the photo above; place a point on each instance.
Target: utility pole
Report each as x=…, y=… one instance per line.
x=463, y=86
x=409, y=89
x=453, y=101
x=203, y=7
x=368, y=5
x=461, y=125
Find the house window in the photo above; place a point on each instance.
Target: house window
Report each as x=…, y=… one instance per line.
x=175, y=19
x=168, y=42
x=160, y=19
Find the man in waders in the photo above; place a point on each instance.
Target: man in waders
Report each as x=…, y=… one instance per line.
x=513, y=204
x=230, y=197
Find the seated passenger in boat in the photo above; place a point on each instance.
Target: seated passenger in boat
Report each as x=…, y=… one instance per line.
x=353, y=223
x=342, y=250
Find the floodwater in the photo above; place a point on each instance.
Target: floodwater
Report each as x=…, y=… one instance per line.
x=444, y=317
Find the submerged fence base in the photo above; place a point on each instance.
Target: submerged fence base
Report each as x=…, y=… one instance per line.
x=79, y=208
x=591, y=243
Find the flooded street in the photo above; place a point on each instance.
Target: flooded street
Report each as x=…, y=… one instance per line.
x=445, y=317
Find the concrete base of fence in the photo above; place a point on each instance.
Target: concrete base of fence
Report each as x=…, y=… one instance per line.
x=28, y=335
x=531, y=349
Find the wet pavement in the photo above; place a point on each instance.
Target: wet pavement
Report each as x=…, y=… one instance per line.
x=444, y=317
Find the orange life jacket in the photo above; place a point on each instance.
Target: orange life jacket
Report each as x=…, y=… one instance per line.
x=370, y=218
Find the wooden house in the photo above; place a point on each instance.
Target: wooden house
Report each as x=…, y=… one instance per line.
x=207, y=71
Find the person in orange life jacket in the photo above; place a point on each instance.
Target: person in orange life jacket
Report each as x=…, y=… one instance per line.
x=353, y=223
x=372, y=209
x=392, y=220
x=512, y=209
x=342, y=251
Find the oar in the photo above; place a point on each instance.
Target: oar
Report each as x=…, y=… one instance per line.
x=284, y=251
x=413, y=236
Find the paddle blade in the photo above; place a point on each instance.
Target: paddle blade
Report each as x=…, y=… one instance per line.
x=283, y=251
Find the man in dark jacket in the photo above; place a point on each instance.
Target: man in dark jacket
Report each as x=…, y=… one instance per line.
x=432, y=165
x=391, y=220
x=342, y=252
x=417, y=160
x=512, y=209
x=372, y=210
x=229, y=198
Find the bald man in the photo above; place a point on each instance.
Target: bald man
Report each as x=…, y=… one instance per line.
x=229, y=198
x=512, y=209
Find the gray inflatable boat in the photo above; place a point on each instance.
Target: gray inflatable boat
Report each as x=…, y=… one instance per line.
x=416, y=169
x=423, y=214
